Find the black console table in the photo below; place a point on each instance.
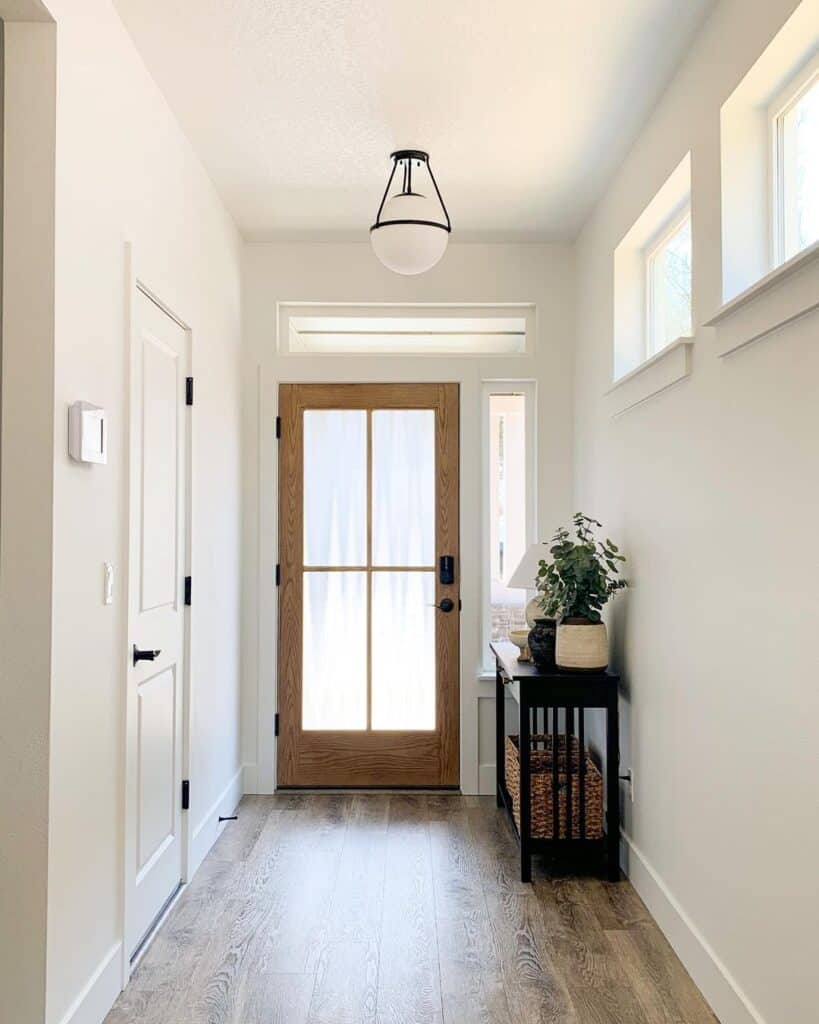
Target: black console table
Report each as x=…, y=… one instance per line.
x=535, y=690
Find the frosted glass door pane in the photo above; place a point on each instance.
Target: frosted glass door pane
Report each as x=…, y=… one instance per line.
x=403, y=650
x=403, y=444
x=335, y=487
x=334, y=651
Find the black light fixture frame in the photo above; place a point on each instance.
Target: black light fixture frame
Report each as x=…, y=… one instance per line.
x=408, y=155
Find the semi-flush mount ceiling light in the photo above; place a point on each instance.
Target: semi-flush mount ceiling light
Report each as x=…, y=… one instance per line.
x=411, y=228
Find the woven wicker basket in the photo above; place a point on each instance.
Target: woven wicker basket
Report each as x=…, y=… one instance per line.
x=542, y=816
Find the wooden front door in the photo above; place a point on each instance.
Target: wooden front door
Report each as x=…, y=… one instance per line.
x=368, y=616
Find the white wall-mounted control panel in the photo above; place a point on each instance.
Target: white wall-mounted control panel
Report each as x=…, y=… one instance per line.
x=87, y=433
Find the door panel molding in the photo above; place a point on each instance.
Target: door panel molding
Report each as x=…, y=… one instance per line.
x=367, y=758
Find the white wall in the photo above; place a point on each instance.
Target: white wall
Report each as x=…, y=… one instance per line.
x=125, y=172
x=26, y=511
x=713, y=489
x=274, y=273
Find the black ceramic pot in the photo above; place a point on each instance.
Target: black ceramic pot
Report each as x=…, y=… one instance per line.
x=542, y=639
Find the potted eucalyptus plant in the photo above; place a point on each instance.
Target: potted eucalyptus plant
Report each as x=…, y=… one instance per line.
x=582, y=576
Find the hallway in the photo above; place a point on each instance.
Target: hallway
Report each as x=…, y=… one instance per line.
x=400, y=909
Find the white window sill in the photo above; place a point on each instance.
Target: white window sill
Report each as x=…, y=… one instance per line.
x=655, y=375
x=786, y=294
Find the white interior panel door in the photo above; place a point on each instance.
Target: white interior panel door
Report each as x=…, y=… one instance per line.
x=158, y=477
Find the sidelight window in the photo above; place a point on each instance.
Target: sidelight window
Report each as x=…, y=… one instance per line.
x=509, y=501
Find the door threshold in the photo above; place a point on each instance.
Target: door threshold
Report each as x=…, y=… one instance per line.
x=368, y=789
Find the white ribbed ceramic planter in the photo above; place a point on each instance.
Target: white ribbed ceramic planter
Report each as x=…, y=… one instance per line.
x=582, y=645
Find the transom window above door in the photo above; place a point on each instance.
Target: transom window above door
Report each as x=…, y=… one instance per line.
x=421, y=329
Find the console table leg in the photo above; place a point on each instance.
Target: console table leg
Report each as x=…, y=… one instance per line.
x=524, y=739
x=613, y=791
x=500, y=736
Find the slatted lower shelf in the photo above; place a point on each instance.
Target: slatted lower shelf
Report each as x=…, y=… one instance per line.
x=592, y=847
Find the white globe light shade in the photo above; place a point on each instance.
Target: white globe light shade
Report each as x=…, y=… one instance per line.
x=410, y=248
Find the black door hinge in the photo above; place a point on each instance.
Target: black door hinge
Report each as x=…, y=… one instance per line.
x=188, y=588
x=278, y=575
x=276, y=724
x=186, y=795
x=278, y=427
x=189, y=391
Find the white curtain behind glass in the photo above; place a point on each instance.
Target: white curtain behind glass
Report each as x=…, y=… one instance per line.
x=403, y=666
x=334, y=679
x=403, y=447
x=335, y=487
x=334, y=651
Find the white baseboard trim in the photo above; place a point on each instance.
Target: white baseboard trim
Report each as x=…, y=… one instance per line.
x=721, y=990
x=250, y=779
x=207, y=831
x=101, y=990
x=99, y=993
x=487, y=777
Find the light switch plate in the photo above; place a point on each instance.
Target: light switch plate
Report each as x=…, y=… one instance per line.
x=108, y=589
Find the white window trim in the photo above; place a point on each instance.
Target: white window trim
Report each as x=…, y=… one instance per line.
x=786, y=98
x=658, y=241
x=781, y=297
x=630, y=348
x=527, y=388
x=759, y=294
x=662, y=371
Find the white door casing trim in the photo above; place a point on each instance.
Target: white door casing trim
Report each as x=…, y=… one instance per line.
x=135, y=282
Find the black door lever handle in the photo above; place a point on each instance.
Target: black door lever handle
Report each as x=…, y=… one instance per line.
x=145, y=655
x=446, y=605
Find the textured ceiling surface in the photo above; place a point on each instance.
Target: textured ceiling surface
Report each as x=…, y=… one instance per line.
x=23, y=10
x=525, y=106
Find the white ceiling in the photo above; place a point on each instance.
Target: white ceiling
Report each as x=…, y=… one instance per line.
x=23, y=10
x=525, y=106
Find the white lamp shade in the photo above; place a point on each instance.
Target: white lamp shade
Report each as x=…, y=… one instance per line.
x=409, y=248
x=524, y=576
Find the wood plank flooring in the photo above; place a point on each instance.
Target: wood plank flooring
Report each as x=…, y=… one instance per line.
x=401, y=908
